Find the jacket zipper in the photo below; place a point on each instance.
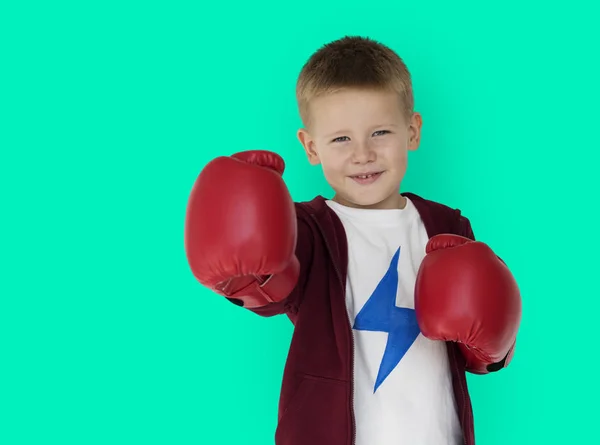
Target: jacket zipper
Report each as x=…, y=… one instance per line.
x=352, y=352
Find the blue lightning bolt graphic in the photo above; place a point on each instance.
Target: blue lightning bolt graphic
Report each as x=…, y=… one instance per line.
x=380, y=314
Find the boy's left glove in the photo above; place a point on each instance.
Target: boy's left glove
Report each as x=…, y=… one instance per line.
x=464, y=293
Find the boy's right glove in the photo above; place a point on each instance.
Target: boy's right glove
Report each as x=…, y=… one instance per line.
x=241, y=230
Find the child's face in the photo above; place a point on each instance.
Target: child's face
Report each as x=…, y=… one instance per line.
x=354, y=133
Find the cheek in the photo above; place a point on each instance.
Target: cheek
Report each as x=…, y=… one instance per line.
x=333, y=167
x=395, y=153
x=332, y=159
x=401, y=162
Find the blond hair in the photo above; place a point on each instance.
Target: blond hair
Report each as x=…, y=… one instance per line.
x=353, y=62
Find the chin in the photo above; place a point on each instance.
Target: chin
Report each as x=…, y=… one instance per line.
x=379, y=194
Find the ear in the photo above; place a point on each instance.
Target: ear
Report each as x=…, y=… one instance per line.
x=309, y=146
x=414, y=131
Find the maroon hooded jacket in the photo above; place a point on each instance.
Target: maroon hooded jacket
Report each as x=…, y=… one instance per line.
x=316, y=402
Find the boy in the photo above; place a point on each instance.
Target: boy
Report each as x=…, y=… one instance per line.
x=391, y=299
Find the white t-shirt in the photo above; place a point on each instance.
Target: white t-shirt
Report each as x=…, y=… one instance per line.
x=402, y=383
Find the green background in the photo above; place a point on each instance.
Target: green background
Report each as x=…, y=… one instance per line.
x=111, y=109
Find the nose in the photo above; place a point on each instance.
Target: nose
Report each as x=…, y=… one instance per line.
x=363, y=153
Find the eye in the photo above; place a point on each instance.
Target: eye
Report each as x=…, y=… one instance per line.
x=341, y=139
x=380, y=132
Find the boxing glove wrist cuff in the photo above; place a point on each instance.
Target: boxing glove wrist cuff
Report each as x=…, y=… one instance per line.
x=479, y=363
x=258, y=291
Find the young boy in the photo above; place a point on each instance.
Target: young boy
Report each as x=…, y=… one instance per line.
x=391, y=298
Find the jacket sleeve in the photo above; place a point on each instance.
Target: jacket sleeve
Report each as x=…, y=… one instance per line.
x=465, y=229
x=304, y=251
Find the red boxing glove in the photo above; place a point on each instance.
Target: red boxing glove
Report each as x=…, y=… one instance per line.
x=240, y=229
x=464, y=293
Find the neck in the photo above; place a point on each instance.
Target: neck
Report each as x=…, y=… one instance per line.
x=391, y=202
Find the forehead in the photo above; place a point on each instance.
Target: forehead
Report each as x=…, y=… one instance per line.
x=356, y=109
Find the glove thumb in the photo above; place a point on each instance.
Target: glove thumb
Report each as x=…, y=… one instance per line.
x=262, y=158
x=445, y=241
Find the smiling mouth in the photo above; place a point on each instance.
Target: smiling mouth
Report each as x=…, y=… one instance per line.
x=368, y=175
x=366, y=178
